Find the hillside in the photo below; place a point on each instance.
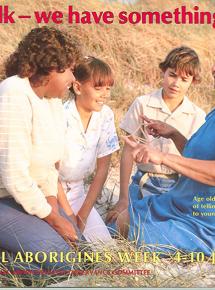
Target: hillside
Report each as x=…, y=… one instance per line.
x=133, y=51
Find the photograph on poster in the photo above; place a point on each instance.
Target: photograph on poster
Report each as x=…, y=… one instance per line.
x=107, y=164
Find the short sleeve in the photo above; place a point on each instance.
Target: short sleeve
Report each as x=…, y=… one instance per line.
x=131, y=119
x=108, y=141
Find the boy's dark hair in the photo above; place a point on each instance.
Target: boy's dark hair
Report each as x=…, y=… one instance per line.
x=41, y=51
x=183, y=59
x=95, y=70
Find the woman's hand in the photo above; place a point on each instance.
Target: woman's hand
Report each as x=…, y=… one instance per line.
x=61, y=225
x=158, y=128
x=114, y=212
x=144, y=153
x=73, y=218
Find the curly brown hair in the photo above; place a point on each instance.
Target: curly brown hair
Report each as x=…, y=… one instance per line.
x=41, y=51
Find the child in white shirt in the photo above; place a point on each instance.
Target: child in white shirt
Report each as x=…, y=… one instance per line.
x=91, y=138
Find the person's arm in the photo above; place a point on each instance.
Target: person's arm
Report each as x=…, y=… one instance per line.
x=61, y=225
x=15, y=161
x=15, y=155
x=200, y=170
x=126, y=164
x=52, y=200
x=94, y=190
x=160, y=129
x=179, y=140
x=63, y=202
x=55, y=220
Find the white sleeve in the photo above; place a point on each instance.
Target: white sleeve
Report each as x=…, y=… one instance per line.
x=131, y=119
x=15, y=155
x=108, y=141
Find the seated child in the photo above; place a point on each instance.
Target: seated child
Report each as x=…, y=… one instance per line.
x=169, y=104
x=90, y=141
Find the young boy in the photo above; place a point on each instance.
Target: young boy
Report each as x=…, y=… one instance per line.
x=169, y=104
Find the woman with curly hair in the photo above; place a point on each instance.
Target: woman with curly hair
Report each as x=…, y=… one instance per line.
x=32, y=128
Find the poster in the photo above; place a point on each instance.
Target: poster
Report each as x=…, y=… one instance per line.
x=133, y=37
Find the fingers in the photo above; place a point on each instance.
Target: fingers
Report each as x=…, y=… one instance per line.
x=129, y=142
x=141, y=156
x=112, y=216
x=150, y=126
x=144, y=118
x=71, y=235
x=71, y=238
x=151, y=129
x=67, y=236
x=108, y=217
x=68, y=231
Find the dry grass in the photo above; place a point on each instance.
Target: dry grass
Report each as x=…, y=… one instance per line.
x=133, y=51
x=166, y=272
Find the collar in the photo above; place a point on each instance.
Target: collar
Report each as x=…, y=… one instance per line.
x=72, y=113
x=71, y=108
x=156, y=101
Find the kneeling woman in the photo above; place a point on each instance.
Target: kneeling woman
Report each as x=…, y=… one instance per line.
x=91, y=138
x=184, y=217
x=32, y=131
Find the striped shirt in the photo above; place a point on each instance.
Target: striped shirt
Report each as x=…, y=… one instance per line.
x=31, y=142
